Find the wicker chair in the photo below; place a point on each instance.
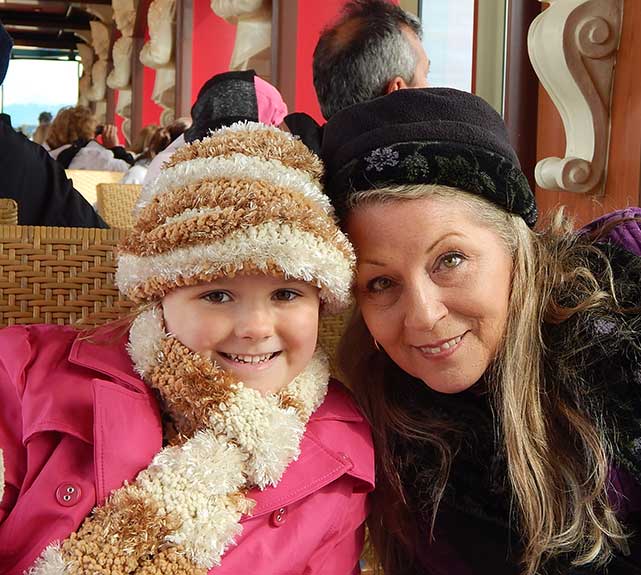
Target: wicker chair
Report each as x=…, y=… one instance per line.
x=330, y=330
x=66, y=275
x=58, y=275
x=8, y=211
x=85, y=181
x=116, y=203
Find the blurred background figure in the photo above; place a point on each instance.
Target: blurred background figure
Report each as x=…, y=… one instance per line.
x=159, y=141
x=38, y=184
x=141, y=141
x=72, y=140
x=42, y=131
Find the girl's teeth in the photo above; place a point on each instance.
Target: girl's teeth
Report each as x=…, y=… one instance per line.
x=447, y=345
x=250, y=358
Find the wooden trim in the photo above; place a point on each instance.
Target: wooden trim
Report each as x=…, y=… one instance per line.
x=284, y=49
x=521, y=85
x=140, y=27
x=137, y=75
x=110, y=114
x=475, y=44
x=184, y=43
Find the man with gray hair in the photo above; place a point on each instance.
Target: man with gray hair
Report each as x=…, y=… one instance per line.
x=373, y=49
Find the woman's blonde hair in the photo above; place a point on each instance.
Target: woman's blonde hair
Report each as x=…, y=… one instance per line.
x=560, y=487
x=71, y=124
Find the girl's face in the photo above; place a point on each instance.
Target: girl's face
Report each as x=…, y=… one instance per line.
x=260, y=327
x=433, y=286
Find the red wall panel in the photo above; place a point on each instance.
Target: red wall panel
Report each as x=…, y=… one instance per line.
x=213, y=44
x=313, y=17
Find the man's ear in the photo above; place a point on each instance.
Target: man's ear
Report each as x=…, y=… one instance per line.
x=396, y=83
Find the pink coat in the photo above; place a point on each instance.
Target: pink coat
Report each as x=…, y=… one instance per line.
x=75, y=422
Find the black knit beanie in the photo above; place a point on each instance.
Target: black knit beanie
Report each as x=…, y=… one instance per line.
x=424, y=136
x=224, y=99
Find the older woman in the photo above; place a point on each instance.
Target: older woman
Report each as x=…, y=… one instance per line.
x=499, y=366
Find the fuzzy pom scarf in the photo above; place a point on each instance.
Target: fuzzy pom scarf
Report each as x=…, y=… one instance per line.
x=182, y=512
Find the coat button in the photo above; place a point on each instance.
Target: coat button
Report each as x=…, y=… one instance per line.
x=279, y=517
x=68, y=494
x=346, y=458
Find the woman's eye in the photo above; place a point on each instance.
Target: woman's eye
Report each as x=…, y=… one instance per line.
x=217, y=297
x=452, y=260
x=378, y=285
x=285, y=295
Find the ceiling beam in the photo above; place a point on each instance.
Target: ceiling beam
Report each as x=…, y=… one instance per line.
x=41, y=20
x=39, y=40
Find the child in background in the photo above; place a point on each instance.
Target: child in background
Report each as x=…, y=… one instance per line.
x=210, y=436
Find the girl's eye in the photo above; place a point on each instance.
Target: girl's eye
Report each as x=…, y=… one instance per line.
x=217, y=297
x=451, y=260
x=285, y=295
x=378, y=285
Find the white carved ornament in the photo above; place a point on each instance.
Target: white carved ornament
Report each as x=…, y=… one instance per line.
x=573, y=46
x=253, y=21
x=84, y=84
x=124, y=14
x=100, y=43
x=158, y=53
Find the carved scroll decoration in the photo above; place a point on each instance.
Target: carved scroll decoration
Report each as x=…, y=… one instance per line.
x=84, y=83
x=158, y=53
x=119, y=78
x=253, y=21
x=573, y=47
x=97, y=92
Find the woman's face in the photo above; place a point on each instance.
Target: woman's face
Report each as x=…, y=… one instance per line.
x=433, y=285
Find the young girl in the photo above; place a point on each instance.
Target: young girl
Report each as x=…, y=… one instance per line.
x=210, y=436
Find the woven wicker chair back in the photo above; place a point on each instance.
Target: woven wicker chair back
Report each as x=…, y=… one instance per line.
x=58, y=275
x=86, y=181
x=116, y=203
x=66, y=276
x=8, y=211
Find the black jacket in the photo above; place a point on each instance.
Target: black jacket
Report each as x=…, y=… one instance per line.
x=39, y=185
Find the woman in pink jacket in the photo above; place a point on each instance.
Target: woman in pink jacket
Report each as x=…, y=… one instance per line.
x=207, y=435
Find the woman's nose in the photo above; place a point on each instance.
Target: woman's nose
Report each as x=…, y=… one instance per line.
x=254, y=321
x=424, y=307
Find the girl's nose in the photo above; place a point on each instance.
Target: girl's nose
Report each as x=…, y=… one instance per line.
x=254, y=322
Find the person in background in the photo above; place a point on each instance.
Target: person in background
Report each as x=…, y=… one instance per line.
x=72, y=141
x=42, y=131
x=158, y=142
x=499, y=366
x=222, y=100
x=45, y=196
x=205, y=435
x=373, y=48
x=141, y=141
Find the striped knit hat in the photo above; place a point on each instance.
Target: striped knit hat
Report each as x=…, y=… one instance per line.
x=246, y=199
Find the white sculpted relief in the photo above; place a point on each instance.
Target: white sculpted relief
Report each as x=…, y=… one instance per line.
x=98, y=90
x=253, y=21
x=158, y=53
x=124, y=12
x=84, y=84
x=125, y=17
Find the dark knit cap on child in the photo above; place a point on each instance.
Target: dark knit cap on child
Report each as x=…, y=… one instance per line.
x=424, y=136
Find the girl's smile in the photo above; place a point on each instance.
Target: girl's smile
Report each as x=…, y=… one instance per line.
x=262, y=328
